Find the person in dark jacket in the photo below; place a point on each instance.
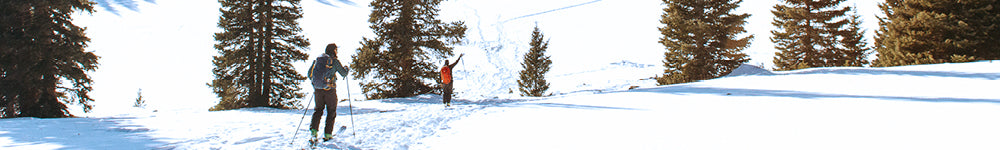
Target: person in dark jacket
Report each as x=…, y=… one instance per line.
x=323, y=75
x=446, y=79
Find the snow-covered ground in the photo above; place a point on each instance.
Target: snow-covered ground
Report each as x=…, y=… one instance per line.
x=600, y=50
x=945, y=106
x=942, y=106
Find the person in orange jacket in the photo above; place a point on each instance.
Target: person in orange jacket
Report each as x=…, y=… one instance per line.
x=446, y=79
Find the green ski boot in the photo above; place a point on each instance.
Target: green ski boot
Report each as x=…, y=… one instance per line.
x=327, y=137
x=313, y=141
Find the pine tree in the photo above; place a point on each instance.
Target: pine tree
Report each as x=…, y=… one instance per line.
x=536, y=64
x=932, y=31
x=139, y=102
x=259, y=41
x=701, y=39
x=39, y=48
x=988, y=27
x=815, y=34
x=399, y=60
x=855, y=50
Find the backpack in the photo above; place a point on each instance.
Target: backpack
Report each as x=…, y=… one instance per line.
x=446, y=75
x=320, y=71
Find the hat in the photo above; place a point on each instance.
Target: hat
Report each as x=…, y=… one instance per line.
x=331, y=49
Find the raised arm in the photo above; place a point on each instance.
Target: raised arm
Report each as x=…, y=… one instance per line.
x=452, y=65
x=337, y=66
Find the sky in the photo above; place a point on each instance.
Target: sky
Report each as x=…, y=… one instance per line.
x=166, y=47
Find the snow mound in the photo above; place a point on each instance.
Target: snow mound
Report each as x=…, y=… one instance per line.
x=746, y=69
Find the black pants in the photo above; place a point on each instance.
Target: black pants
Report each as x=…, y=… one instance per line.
x=325, y=99
x=446, y=93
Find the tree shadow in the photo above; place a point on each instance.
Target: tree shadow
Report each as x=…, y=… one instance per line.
x=342, y=109
x=110, y=5
x=438, y=99
x=328, y=3
x=75, y=133
x=687, y=89
x=871, y=71
x=571, y=106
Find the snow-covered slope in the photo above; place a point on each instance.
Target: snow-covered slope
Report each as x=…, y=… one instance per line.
x=600, y=49
x=942, y=106
x=945, y=106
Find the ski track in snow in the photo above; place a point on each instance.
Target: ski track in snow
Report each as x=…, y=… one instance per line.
x=548, y=11
x=878, y=102
x=381, y=124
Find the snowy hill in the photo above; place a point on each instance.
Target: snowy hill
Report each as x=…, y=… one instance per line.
x=942, y=106
x=600, y=50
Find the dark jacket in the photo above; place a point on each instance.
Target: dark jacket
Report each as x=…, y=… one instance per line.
x=323, y=76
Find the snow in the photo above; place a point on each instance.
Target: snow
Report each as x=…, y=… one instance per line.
x=872, y=108
x=73, y=133
x=604, y=97
x=818, y=108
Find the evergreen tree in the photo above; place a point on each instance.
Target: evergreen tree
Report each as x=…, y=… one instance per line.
x=933, y=31
x=701, y=39
x=39, y=48
x=259, y=41
x=816, y=34
x=856, y=50
x=536, y=64
x=139, y=102
x=399, y=60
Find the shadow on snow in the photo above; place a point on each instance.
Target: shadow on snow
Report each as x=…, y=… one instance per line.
x=75, y=133
x=572, y=106
x=328, y=3
x=437, y=99
x=342, y=109
x=129, y=4
x=870, y=71
x=798, y=94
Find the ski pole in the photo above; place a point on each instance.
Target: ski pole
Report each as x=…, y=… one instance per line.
x=347, y=82
x=304, y=110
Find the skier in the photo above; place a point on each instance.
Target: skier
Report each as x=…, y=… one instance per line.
x=446, y=84
x=323, y=75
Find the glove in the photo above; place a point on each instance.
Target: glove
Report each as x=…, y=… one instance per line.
x=329, y=85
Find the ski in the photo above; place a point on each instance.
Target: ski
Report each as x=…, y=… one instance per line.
x=312, y=142
x=326, y=143
x=315, y=142
x=339, y=131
